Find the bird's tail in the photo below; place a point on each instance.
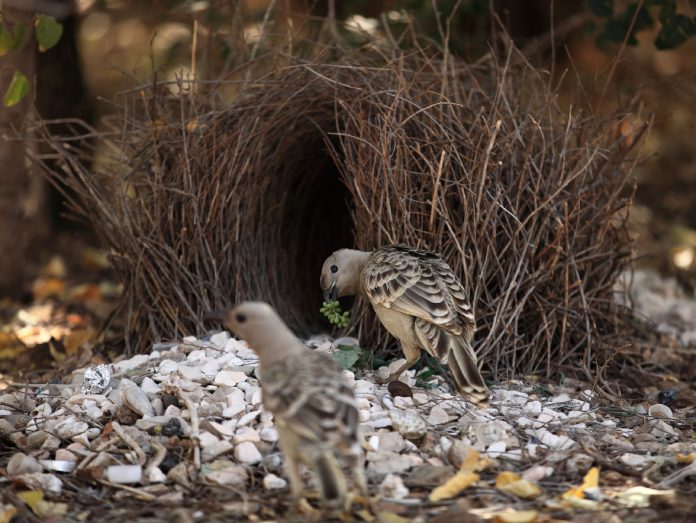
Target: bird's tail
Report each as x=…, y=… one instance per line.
x=332, y=481
x=464, y=371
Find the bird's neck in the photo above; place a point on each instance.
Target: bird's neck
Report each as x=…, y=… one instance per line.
x=274, y=345
x=356, y=264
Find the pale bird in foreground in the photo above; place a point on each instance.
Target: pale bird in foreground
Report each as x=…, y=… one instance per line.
x=312, y=404
x=418, y=299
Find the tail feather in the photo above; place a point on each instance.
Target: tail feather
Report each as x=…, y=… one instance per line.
x=464, y=370
x=332, y=481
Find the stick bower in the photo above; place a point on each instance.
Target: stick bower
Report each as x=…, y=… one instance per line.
x=205, y=203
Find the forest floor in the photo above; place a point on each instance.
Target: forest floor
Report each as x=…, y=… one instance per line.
x=179, y=435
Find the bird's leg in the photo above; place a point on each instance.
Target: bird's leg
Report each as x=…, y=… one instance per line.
x=357, y=467
x=292, y=471
x=412, y=353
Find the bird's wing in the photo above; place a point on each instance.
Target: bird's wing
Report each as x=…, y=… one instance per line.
x=310, y=396
x=420, y=284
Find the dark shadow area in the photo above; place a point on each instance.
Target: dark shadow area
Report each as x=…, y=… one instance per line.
x=317, y=221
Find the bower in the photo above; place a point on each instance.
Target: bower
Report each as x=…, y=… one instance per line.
x=206, y=204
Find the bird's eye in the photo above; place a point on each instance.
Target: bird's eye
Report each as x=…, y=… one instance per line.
x=241, y=318
x=334, y=268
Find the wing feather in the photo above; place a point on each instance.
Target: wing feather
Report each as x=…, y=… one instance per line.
x=418, y=283
x=310, y=397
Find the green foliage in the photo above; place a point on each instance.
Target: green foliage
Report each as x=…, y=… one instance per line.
x=19, y=87
x=11, y=40
x=48, y=32
x=347, y=355
x=332, y=310
x=635, y=16
x=6, y=40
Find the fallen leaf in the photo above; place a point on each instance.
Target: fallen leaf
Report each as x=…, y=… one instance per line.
x=7, y=512
x=639, y=497
x=513, y=484
x=47, y=287
x=686, y=458
x=591, y=481
x=31, y=497
x=390, y=517
x=39, y=506
x=505, y=478
x=516, y=516
x=473, y=462
x=454, y=485
x=76, y=339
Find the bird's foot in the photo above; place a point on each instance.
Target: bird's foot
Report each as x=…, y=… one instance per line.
x=382, y=381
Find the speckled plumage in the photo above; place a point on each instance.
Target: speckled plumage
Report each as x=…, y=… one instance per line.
x=419, y=300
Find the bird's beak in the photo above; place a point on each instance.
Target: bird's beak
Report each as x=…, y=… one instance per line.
x=331, y=293
x=217, y=316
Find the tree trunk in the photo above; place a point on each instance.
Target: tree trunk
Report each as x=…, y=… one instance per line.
x=15, y=228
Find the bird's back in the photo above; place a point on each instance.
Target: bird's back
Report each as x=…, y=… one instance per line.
x=418, y=283
x=311, y=396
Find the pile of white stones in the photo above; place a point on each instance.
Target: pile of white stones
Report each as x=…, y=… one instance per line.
x=191, y=411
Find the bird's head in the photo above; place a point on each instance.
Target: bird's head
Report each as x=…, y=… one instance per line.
x=340, y=274
x=249, y=320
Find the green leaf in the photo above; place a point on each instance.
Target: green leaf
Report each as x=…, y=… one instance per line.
x=18, y=89
x=617, y=28
x=48, y=32
x=601, y=8
x=675, y=30
x=20, y=31
x=5, y=40
x=347, y=355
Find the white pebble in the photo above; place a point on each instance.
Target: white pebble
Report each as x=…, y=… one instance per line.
x=246, y=452
x=229, y=378
x=132, y=363
x=268, y=434
x=148, y=386
x=220, y=339
x=273, y=482
x=494, y=450
x=166, y=367
x=438, y=416
x=403, y=402
x=634, y=460
x=124, y=473
x=533, y=408
x=246, y=434
x=248, y=418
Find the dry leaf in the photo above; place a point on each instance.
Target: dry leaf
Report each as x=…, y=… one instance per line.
x=473, y=462
x=516, y=516
x=686, y=458
x=390, y=517
x=576, y=497
x=77, y=338
x=640, y=496
x=513, y=484
x=591, y=481
x=7, y=512
x=505, y=478
x=42, y=508
x=454, y=485
x=47, y=287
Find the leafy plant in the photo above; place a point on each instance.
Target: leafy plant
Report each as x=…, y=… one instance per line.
x=637, y=15
x=48, y=32
x=347, y=355
x=332, y=310
x=18, y=89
